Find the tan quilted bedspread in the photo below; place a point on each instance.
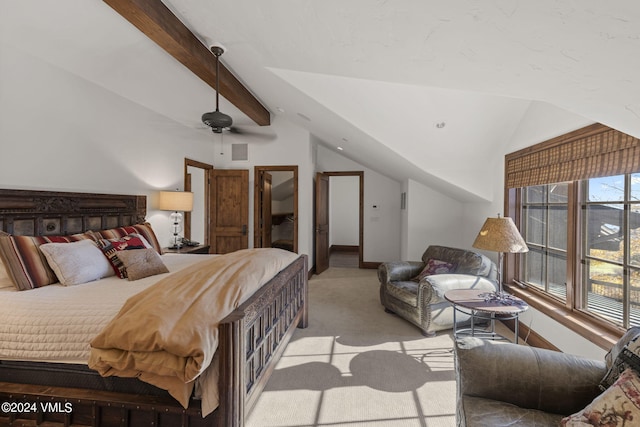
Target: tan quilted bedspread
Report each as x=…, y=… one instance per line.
x=168, y=334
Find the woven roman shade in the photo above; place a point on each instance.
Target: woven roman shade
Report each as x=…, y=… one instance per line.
x=590, y=152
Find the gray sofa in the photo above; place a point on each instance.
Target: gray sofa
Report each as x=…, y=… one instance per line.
x=504, y=384
x=422, y=302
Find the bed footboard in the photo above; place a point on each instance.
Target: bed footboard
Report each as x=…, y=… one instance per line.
x=251, y=341
x=255, y=336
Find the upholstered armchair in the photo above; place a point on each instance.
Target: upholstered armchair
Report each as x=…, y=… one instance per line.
x=505, y=384
x=421, y=300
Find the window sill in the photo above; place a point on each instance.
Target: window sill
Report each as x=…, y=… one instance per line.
x=595, y=330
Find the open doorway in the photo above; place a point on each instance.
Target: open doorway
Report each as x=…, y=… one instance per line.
x=276, y=207
x=338, y=216
x=344, y=232
x=196, y=180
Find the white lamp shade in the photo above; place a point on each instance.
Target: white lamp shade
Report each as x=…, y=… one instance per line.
x=181, y=201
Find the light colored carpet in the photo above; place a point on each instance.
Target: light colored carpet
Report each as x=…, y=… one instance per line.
x=356, y=365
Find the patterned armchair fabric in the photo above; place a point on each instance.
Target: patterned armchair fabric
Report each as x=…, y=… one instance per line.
x=422, y=302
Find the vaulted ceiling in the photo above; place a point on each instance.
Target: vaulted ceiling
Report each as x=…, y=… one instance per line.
x=377, y=78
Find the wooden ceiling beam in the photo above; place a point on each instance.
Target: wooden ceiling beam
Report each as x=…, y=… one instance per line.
x=155, y=20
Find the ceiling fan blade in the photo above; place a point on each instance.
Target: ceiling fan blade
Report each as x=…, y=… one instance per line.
x=252, y=134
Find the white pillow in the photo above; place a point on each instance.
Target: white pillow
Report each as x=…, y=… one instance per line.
x=76, y=262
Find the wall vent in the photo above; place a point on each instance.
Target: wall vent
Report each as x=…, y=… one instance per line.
x=239, y=152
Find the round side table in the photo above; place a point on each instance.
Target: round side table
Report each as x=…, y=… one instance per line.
x=480, y=307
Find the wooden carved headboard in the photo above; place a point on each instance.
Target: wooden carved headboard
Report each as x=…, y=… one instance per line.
x=37, y=213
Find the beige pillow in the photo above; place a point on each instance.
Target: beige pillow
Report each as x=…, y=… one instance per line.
x=5, y=280
x=140, y=263
x=76, y=262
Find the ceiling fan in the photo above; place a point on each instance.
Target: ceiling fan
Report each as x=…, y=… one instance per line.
x=217, y=120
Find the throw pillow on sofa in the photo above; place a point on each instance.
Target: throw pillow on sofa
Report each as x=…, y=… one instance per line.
x=628, y=357
x=618, y=405
x=434, y=266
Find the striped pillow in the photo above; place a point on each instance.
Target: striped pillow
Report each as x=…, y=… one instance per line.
x=143, y=229
x=26, y=265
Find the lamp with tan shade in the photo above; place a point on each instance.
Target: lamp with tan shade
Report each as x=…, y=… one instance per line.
x=178, y=202
x=500, y=235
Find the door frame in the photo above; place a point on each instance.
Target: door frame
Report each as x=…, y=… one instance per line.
x=359, y=174
x=187, y=187
x=257, y=213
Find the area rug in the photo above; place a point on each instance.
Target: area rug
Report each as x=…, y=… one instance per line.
x=356, y=365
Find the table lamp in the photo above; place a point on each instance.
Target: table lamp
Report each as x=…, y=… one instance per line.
x=178, y=202
x=500, y=235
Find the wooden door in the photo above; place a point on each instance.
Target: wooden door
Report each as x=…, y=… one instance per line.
x=264, y=200
x=229, y=207
x=322, y=222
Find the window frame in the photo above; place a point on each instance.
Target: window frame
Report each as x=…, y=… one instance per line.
x=578, y=155
x=545, y=247
x=567, y=312
x=625, y=264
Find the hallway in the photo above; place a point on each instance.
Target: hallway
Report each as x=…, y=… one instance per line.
x=343, y=259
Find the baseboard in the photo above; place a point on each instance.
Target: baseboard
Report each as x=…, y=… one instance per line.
x=530, y=336
x=344, y=248
x=371, y=265
x=368, y=265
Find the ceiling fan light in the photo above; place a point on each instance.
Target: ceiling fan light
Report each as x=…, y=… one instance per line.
x=216, y=119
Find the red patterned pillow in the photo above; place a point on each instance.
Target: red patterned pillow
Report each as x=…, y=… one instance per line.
x=435, y=266
x=111, y=247
x=143, y=229
x=618, y=405
x=26, y=265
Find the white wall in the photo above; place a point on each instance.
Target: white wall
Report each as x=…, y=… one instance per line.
x=292, y=147
x=542, y=122
x=431, y=219
x=61, y=132
x=381, y=226
x=344, y=210
x=282, y=206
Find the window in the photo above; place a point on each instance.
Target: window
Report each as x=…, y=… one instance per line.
x=544, y=228
x=611, y=251
x=607, y=238
x=576, y=201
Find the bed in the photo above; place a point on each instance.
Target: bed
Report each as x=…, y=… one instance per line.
x=67, y=392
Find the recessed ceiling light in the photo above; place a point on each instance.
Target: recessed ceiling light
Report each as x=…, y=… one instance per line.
x=304, y=117
x=280, y=110
x=345, y=139
x=340, y=148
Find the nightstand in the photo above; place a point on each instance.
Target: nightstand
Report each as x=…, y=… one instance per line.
x=200, y=249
